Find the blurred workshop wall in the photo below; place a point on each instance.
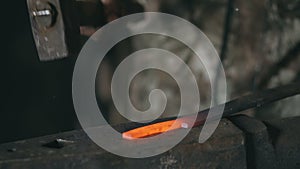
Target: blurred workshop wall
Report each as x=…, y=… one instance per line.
x=264, y=51
x=260, y=35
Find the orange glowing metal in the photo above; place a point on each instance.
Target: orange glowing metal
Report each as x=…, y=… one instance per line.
x=153, y=129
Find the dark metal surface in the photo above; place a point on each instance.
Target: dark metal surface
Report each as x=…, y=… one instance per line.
x=243, y=143
x=260, y=152
x=225, y=149
x=285, y=138
x=272, y=143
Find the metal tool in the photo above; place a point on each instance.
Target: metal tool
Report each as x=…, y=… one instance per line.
x=254, y=100
x=56, y=25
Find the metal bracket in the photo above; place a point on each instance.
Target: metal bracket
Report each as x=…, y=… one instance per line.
x=54, y=29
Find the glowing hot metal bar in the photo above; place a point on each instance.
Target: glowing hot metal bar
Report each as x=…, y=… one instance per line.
x=151, y=130
x=232, y=107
